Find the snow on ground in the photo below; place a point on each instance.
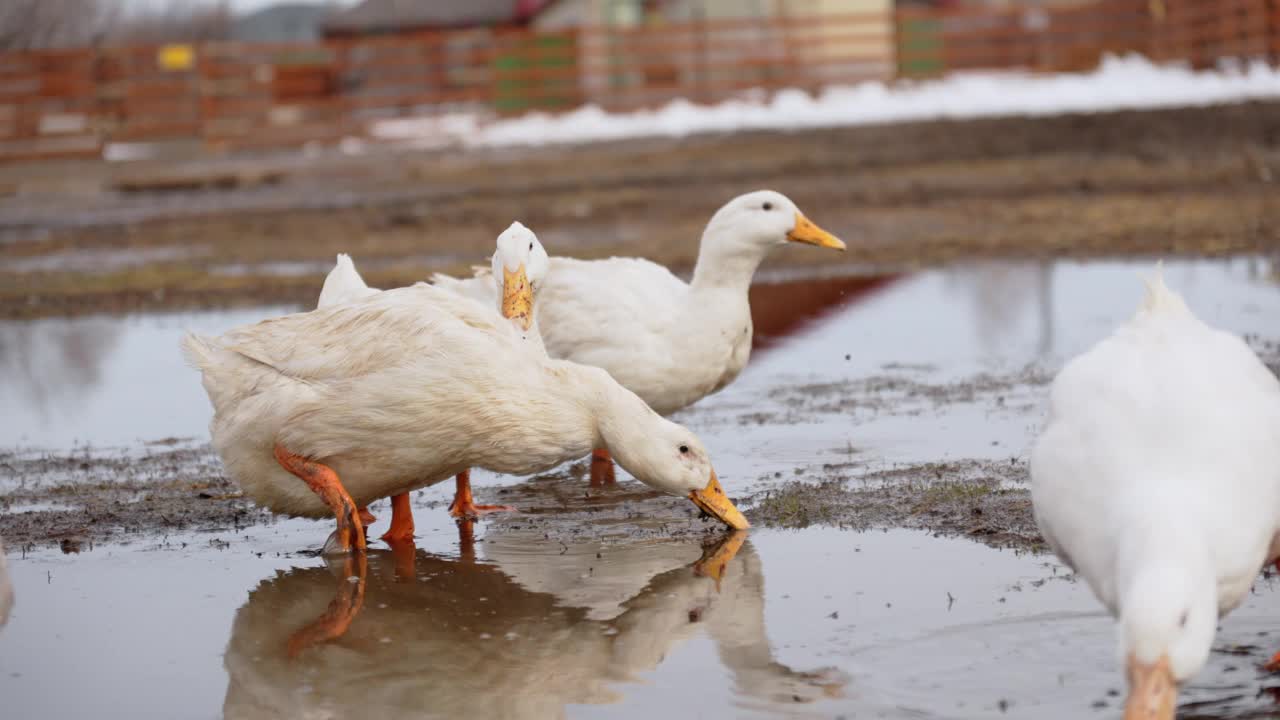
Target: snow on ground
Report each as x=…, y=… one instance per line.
x=1119, y=83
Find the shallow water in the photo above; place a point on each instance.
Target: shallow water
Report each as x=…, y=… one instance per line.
x=105, y=381
x=823, y=623
x=812, y=623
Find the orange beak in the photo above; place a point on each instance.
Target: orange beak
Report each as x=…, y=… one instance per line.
x=806, y=232
x=517, y=297
x=1153, y=691
x=713, y=501
x=715, y=559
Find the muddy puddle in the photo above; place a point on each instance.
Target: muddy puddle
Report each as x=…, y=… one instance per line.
x=819, y=623
x=876, y=442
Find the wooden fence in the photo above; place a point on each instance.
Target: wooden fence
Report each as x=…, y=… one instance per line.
x=230, y=95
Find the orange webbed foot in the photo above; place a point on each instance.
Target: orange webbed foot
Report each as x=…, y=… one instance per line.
x=464, y=505
x=473, y=511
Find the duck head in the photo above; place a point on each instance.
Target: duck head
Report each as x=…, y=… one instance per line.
x=766, y=218
x=742, y=232
x=661, y=454
x=1168, y=617
x=519, y=265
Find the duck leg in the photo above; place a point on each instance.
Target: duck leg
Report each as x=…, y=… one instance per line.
x=325, y=483
x=464, y=506
x=342, y=609
x=401, y=529
x=366, y=517
x=601, y=468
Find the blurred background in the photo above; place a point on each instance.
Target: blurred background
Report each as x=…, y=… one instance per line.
x=193, y=153
x=199, y=156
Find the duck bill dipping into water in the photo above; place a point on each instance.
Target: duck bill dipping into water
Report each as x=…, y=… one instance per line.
x=714, y=502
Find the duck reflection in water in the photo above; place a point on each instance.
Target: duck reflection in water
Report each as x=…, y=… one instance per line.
x=461, y=638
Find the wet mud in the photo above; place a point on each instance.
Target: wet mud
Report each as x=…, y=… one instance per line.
x=977, y=499
x=74, y=500
x=177, y=485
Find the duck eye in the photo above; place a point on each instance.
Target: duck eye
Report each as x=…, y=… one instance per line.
x=768, y=206
x=530, y=247
x=1182, y=622
x=684, y=449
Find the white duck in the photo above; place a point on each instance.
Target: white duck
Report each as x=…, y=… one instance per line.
x=670, y=342
x=412, y=386
x=521, y=262
x=1157, y=479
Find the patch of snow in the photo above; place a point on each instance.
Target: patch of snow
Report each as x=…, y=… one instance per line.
x=1119, y=83
x=429, y=131
x=351, y=146
x=127, y=151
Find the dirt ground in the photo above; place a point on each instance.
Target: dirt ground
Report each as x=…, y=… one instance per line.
x=74, y=501
x=79, y=238
x=241, y=231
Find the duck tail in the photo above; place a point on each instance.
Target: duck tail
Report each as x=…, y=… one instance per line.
x=1159, y=298
x=223, y=371
x=198, y=350
x=343, y=283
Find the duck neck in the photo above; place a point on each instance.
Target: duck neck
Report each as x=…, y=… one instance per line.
x=623, y=422
x=532, y=335
x=726, y=261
